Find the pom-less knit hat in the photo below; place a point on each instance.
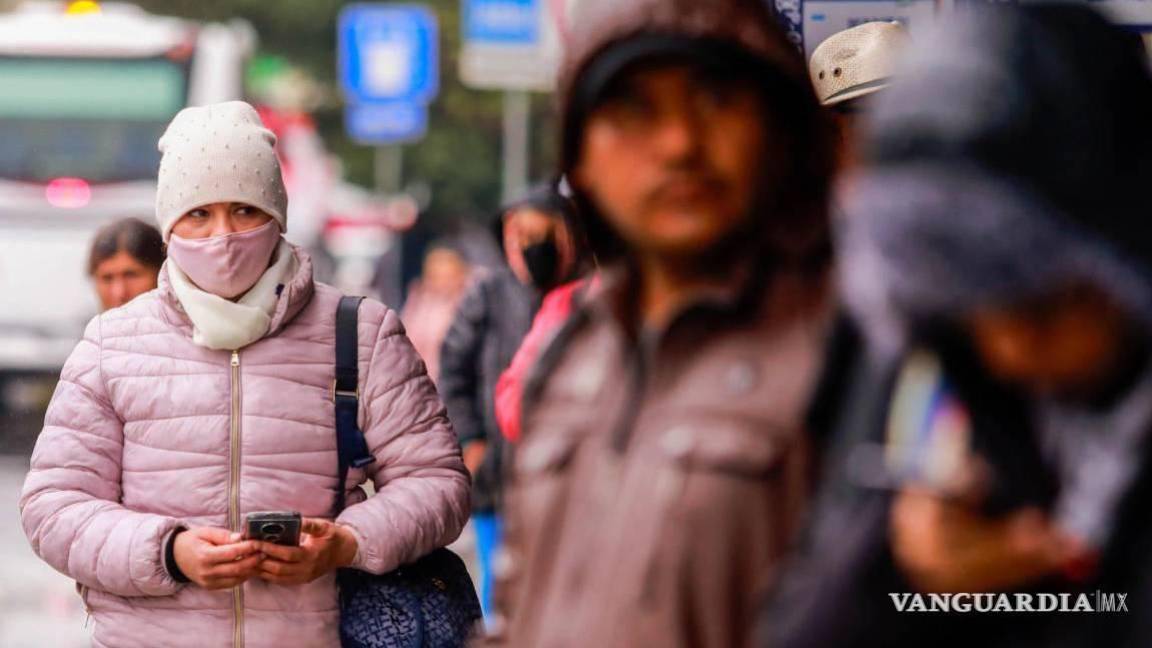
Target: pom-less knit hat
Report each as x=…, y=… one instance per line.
x=218, y=153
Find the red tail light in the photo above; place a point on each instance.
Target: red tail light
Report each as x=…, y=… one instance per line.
x=68, y=193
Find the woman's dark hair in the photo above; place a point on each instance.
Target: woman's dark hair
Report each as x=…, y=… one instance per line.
x=139, y=239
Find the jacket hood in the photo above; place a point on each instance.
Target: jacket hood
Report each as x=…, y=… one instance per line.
x=603, y=25
x=1005, y=162
x=610, y=35
x=599, y=23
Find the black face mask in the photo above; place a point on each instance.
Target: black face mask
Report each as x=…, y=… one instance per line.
x=543, y=261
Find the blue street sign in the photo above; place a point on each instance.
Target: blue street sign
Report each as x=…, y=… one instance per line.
x=383, y=123
x=388, y=52
x=502, y=22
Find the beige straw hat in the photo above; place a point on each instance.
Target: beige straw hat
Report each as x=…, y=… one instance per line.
x=856, y=61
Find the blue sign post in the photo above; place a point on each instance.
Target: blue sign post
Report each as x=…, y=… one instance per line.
x=509, y=44
x=389, y=69
x=390, y=122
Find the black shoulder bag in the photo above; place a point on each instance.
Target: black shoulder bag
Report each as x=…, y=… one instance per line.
x=430, y=603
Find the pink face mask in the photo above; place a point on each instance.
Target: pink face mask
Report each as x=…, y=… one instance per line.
x=227, y=265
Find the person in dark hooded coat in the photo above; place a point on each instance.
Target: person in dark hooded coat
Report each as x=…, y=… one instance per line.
x=990, y=401
x=491, y=320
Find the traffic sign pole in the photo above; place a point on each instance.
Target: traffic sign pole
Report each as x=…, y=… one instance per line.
x=388, y=63
x=388, y=166
x=517, y=125
x=511, y=46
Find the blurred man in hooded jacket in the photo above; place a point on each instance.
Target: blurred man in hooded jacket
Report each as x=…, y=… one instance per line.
x=662, y=469
x=992, y=424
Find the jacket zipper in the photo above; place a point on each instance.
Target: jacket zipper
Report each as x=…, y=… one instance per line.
x=87, y=608
x=234, y=496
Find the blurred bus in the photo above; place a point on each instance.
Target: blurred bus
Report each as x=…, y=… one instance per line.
x=88, y=89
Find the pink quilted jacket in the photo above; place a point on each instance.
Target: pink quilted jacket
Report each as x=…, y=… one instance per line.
x=148, y=432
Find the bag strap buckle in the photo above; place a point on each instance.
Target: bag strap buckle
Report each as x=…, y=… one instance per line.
x=346, y=393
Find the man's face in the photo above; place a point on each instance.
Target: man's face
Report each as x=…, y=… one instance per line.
x=673, y=160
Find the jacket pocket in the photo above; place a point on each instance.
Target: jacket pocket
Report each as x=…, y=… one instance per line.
x=546, y=455
x=536, y=501
x=539, y=489
x=726, y=448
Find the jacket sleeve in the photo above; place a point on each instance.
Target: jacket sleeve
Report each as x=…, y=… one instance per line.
x=70, y=507
x=460, y=365
x=422, y=499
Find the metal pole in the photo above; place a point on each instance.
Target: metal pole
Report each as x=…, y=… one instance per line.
x=389, y=168
x=517, y=121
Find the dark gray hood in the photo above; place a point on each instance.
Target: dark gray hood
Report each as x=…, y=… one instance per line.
x=1010, y=158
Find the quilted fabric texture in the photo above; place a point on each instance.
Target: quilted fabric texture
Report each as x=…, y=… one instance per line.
x=137, y=442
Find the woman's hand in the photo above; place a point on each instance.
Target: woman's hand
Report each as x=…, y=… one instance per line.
x=324, y=547
x=216, y=558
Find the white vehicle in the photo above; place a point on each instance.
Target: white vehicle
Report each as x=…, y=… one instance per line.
x=88, y=88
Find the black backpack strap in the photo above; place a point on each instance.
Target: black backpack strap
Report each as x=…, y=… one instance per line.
x=351, y=447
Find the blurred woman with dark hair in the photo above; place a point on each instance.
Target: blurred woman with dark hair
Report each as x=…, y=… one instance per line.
x=124, y=261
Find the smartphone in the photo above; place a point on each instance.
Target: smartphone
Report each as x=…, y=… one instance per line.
x=947, y=409
x=929, y=428
x=276, y=527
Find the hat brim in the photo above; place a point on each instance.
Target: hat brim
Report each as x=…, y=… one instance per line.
x=856, y=91
x=621, y=56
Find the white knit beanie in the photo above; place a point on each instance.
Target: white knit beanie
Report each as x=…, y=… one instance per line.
x=218, y=153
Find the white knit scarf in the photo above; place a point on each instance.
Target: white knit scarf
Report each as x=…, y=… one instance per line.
x=220, y=324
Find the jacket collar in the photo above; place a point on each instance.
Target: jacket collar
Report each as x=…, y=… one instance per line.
x=618, y=297
x=757, y=292
x=294, y=296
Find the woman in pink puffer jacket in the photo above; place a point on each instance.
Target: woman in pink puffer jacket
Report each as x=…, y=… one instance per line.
x=211, y=397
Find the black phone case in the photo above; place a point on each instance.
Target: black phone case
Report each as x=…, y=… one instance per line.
x=1003, y=433
x=277, y=527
